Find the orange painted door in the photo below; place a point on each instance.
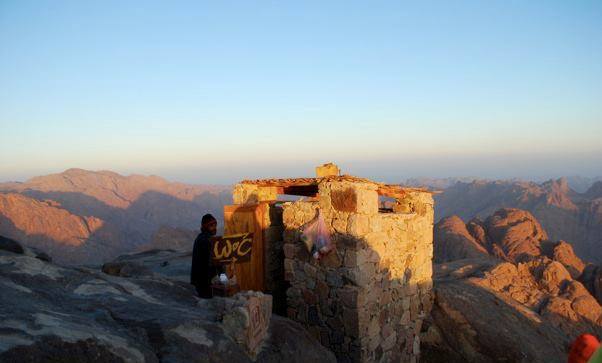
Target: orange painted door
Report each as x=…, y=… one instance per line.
x=242, y=219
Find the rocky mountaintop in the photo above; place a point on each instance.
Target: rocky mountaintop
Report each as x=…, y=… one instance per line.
x=563, y=213
x=595, y=191
x=437, y=183
x=72, y=230
x=505, y=292
x=109, y=187
x=455, y=241
x=509, y=234
x=581, y=184
x=49, y=312
x=86, y=217
x=65, y=236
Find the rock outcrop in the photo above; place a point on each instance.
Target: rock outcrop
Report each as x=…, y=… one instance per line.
x=562, y=212
x=108, y=187
x=510, y=234
x=524, y=300
x=563, y=252
x=514, y=232
x=84, y=315
x=592, y=280
x=10, y=245
x=455, y=242
x=45, y=225
x=475, y=320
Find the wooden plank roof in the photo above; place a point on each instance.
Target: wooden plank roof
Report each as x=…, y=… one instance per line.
x=309, y=186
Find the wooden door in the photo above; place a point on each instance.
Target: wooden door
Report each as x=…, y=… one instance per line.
x=242, y=219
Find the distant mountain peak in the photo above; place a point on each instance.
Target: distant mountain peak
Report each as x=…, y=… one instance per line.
x=76, y=171
x=595, y=191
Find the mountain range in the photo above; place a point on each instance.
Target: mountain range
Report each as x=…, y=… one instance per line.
x=88, y=217
x=564, y=213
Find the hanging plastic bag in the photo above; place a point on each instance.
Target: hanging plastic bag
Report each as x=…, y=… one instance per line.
x=316, y=237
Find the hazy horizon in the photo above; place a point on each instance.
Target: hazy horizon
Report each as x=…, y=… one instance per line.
x=218, y=92
x=389, y=171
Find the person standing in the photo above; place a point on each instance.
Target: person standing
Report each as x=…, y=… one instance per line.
x=202, y=271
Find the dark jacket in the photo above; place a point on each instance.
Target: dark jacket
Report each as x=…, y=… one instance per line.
x=201, y=271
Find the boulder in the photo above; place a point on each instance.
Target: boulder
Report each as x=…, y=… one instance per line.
x=592, y=280
x=516, y=232
x=454, y=242
x=563, y=252
x=476, y=228
x=126, y=269
x=172, y=264
x=10, y=245
x=554, y=276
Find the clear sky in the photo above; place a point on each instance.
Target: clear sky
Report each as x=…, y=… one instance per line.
x=212, y=92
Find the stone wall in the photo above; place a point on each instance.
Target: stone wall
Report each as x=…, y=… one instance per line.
x=365, y=301
x=252, y=194
x=246, y=318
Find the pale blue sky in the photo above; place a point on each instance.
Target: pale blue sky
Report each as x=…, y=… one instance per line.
x=213, y=92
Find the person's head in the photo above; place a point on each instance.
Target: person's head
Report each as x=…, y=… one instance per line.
x=209, y=224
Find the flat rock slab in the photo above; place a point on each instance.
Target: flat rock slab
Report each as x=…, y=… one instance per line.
x=84, y=315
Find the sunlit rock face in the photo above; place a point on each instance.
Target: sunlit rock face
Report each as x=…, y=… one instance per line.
x=562, y=212
x=510, y=234
x=84, y=217
x=525, y=300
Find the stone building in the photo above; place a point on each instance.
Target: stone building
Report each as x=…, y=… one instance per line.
x=367, y=299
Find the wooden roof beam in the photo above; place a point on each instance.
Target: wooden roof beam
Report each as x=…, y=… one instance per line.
x=300, y=190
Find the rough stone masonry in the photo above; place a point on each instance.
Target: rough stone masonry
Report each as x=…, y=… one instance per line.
x=366, y=300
